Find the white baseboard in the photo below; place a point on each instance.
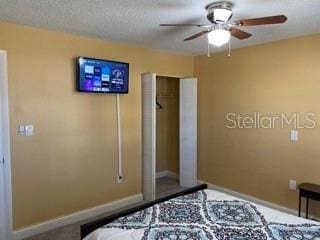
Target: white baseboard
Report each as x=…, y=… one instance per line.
x=161, y=174
x=256, y=200
x=167, y=174
x=96, y=211
x=75, y=217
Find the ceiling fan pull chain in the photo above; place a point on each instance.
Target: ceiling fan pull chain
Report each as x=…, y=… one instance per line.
x=208, y=50
x=229, y=54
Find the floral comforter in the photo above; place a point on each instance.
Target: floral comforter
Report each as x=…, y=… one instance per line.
x=208, y=215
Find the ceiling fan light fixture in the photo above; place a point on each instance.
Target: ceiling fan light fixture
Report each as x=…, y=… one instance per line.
x=219, y=37
x=222, y=14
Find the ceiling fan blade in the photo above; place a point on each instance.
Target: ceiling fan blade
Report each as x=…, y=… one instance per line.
x=199, y=34
x=239, y=33
x=185, y=25
x=262, y=21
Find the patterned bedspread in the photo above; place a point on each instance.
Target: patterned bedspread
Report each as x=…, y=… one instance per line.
x=208, y=215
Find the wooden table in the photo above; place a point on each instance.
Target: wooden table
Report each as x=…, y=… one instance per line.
x=308, y=191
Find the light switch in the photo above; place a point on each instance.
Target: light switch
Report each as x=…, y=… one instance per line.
x=294, y=135
x=28, y=130
x=293, y=185
x=21, y=130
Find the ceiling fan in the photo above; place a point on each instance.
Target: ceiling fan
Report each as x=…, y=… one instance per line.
x=220, y=29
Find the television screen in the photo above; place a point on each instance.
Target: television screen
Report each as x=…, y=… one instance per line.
x=102, y=76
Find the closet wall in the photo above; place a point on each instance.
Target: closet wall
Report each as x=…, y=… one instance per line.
x=168, y=125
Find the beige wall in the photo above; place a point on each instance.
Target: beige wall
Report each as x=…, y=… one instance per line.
x=273, y=78
x=161, y=124
x=70, y=162
x=168, y=125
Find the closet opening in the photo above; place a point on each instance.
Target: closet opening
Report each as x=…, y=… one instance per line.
x=167, y=136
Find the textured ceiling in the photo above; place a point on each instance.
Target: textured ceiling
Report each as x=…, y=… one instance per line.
x=137, y=21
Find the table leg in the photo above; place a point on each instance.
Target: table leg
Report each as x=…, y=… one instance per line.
x=299, y=205
x=307, y=209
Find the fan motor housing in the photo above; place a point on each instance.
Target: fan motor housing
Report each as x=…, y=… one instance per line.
x=218, y=5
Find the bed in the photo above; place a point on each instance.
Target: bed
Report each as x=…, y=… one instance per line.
x=201, y=214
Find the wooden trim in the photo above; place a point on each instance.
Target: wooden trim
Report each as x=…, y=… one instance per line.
x=88, y=228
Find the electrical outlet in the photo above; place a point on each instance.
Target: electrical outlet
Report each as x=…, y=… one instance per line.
x=294, y=135
x=119, y=179
x=293, y=185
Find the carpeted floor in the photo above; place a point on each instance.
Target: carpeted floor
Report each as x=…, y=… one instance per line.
x=72, y=232
x=165, y=186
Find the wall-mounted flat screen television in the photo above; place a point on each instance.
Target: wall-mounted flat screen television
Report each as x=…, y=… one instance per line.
x=102, y=76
